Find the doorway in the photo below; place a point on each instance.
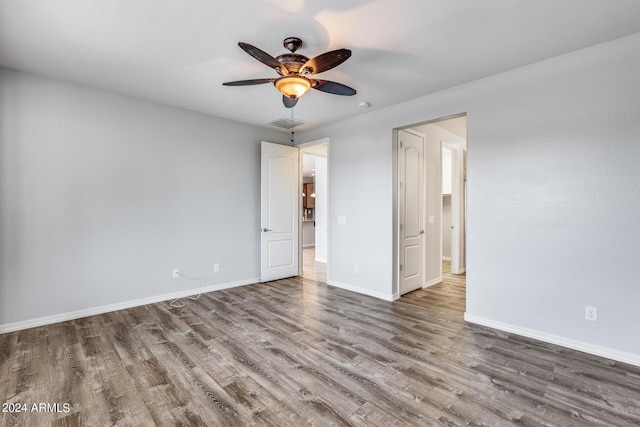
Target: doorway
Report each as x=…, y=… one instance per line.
x=444, y=200
x=314, y=217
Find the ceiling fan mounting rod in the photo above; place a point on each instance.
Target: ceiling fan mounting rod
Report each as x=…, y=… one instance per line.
x=292, y=44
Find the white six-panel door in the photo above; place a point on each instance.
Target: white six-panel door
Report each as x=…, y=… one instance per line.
x=279, y=212
x=411, y=192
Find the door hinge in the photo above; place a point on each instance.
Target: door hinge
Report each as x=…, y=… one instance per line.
x=400, y=144
x=400, y=227
x=400, y=267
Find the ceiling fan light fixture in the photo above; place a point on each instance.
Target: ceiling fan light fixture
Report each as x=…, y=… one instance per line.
x=294, y=69
x=293, y=86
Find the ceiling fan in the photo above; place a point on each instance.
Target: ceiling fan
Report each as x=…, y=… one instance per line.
x=294, y=69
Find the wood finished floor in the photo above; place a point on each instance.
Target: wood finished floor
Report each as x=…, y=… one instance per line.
x=296, y=352
x=311, y=269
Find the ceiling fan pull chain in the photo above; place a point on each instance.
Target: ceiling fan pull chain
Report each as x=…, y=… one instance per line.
x=292, y=127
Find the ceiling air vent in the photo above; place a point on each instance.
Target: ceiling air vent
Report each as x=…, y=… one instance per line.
x=285, y=123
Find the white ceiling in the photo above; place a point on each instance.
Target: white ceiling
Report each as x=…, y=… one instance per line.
x=179, y=52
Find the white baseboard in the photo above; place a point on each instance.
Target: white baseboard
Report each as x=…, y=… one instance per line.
x=364, y=291
x=609, y=353
x=432, y=282
x=63, y=317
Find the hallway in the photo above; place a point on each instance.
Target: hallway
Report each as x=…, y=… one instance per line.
x=311, y=269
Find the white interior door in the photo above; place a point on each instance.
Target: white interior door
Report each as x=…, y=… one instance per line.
x=279, y=212
x=411, y=191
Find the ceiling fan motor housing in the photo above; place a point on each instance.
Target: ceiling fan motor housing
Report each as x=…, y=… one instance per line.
x=292, y=63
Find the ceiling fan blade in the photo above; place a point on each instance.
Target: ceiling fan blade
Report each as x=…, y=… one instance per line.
x=289, y=102
x=333, y=87
x=248, y=82
x=260, y=55
x=326, y=61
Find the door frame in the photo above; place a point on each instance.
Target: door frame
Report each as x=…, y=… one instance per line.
x=396, y=201
x=301, y=147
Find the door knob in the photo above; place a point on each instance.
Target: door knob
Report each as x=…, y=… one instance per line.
x=421, y=231
x=266, y=229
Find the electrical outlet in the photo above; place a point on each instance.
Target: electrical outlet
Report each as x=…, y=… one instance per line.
x=216, y=268
x=176, y=273
x=356, y=269
x=591, y=313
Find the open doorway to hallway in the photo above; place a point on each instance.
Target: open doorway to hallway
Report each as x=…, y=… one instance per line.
x=454, y=149
x=442, y=202
x=314, y=210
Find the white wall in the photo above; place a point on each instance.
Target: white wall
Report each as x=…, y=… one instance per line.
x=447, y=170
x=446, y=227
x=103, y=195
x=553, y=196
x=308, y=234
x=321, y=208
x=359, y=181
